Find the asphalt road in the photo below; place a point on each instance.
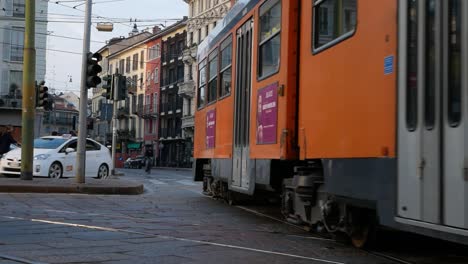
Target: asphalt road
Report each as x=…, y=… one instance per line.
x=172, y=222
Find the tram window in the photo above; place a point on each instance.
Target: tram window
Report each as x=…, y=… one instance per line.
x=213, y=76
x=454, y=57
x=429, y=113
x=412, y=65
x=335, y=20
x=269, y=47
x=225, y=72
x=201, y=95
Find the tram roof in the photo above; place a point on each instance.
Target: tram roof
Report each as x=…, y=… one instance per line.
x=234, y=15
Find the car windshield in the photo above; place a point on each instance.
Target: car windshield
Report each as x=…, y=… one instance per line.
x=48, y=143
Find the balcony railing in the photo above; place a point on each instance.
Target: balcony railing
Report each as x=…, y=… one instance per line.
x=9, y=101
x=171, y=108
x=171, y=81
x=123, y=112
x=170, y=133
x=63, y=121
x=149, y=111
x=167, y=57
x=125, y=134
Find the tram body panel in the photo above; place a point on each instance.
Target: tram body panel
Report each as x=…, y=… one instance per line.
x=347, y=101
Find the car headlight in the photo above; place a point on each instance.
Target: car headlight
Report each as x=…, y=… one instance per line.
x=41, y=157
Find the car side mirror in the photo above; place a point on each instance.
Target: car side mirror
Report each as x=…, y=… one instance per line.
x=69, y=150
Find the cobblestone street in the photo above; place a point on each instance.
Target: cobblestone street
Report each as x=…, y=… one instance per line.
x=172, y=222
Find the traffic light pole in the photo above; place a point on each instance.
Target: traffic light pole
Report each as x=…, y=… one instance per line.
x=115, y=92
x=81, y=151
x=29, y=73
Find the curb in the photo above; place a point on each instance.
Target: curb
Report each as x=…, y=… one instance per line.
x=111, y=187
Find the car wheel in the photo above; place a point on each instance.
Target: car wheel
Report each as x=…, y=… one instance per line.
x=103, y=171
x=55, y=170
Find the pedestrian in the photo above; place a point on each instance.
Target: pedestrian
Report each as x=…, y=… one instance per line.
x=6, y=139
x=148, y=158
x=54, y=133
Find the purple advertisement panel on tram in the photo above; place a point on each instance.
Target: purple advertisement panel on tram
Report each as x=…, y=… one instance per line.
x=210, y=128
x=267, y=114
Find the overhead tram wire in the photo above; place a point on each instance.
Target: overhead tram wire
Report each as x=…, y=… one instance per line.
x=67, y=37
x=84, y=11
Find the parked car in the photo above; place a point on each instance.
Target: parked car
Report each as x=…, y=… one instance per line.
x=55, y=157
x=12, y=147
x=135, y=163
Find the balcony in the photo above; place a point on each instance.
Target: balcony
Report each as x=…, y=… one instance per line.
x=188, y=122
x=189, y=55
x=67, y=121
x=125, y=134
x=123, y=112
x=170, y=82
x=171, y=108
x=187, y=89
x=149, y=112
x=12, y=102
x=171, y=57
x=170, y=133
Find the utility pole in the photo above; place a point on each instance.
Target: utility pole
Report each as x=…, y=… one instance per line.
x=81, y=151
x=29, y=100
x=115, y=87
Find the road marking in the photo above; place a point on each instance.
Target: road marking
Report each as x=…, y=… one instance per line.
x=174, y=238
x=157, y=182
x=187, y=182
x=21, y=260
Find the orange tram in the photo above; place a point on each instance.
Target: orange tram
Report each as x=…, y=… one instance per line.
x=355, y=111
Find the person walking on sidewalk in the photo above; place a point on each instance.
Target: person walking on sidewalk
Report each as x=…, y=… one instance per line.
x=6, y=139
x=148, y=158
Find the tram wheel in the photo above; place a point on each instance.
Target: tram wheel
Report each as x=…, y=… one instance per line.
x=362, y=228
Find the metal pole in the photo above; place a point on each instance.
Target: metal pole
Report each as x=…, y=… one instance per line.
x=29, y=73
x=115, y=87
x=81, y=151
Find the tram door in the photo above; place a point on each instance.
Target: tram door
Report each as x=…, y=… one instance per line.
x=242, y=178
x=433, y=114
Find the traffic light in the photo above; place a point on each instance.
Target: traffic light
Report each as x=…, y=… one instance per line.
x=122, y=95
x=42, y=96
x=108, y=86
x=93, y=69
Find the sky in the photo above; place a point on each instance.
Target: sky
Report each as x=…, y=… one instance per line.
x=66, y=23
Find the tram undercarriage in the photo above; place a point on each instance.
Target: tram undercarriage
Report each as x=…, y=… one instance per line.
x=303, y=201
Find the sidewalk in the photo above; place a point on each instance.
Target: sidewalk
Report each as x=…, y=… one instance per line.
x=92, y=186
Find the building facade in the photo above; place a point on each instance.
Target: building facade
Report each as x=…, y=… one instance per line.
x=203, y=17
x=63, y=118
x=150, y=111
x=173, y=147
x=12, y=26
x=125, y=56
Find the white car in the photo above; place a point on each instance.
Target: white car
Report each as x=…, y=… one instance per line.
x=55, y=157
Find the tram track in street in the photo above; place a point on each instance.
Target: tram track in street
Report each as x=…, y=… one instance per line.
x=318, y=237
